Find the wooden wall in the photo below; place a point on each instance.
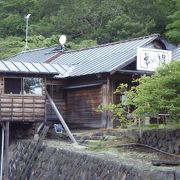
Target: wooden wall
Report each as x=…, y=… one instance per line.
x=82, y=105
x=60, y=102
x=21, y=107
x=78, y=105
x=59, y=97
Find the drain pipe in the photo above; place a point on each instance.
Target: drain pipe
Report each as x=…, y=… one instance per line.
x=61, y=118
x=2, y=151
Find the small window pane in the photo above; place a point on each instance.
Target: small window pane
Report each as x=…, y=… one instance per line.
x=12, y=85
x=33, y=86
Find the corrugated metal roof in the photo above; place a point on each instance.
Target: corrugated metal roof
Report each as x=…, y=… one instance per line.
x=34, y=68
x=37, y=55
x=99, y=59
x=176, y=53
x=105, y=58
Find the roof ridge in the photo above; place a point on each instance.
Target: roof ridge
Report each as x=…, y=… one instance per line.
x=112, y=43
x=38, y=49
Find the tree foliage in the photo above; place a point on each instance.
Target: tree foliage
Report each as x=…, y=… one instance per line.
x=159, y=93
x=173, y=26
x=101, y=21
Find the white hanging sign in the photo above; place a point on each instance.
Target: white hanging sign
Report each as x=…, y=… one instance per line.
x=150, y=59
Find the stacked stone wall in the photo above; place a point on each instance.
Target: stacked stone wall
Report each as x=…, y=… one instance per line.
x=167, y=140
x=62, y=164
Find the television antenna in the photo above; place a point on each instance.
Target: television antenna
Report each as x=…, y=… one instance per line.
x=27, y=19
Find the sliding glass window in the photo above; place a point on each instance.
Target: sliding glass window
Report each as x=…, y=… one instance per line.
x=23, y=86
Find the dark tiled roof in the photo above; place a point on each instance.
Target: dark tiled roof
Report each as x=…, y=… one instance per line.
x=104, y=58
x=98, y=59
x=36, y=55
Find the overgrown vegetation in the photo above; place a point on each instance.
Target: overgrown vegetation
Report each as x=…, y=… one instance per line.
x=84, y=22
x=153, y=95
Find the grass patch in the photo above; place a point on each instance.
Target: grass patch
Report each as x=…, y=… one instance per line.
x=96, y=144
x=161, y=126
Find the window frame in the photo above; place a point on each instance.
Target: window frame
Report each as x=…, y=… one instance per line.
x=22, y=86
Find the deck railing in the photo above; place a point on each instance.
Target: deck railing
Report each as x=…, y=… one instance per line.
x=21, y=108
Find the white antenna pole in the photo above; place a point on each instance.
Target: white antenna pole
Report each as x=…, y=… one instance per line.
x=27, y=19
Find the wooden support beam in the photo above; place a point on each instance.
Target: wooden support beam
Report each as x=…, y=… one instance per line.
x=34, y=108
x=109, y=92
x=6, y=163
x=0, y=106
x=61, y=119
x=2, y=149
x=166, y=162
x=12, y=109
x=106, y=99
x=23, y=107
x=104, y=102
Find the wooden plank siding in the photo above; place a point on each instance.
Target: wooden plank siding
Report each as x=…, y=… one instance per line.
x=60, y=102
x=18, y=107
x=59, y=97
x=82, y=105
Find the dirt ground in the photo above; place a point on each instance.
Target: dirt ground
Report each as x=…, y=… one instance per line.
x=109, y=142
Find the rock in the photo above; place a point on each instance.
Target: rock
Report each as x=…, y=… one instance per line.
x=169, y=135
x=170, y=148
x=162, y=175
x=36, y=137
x=154, y=142
x=177, y=148
x=178, y=141
x=177, y=175
x=177, y=133
x=160, y=143
x=161, y=134
x=110, y=138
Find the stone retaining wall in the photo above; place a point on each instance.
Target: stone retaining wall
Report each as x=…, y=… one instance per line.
x=163, y=139
x=67, y=164
x=167, y=140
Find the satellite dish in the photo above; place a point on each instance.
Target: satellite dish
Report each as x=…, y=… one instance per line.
x=62, y=39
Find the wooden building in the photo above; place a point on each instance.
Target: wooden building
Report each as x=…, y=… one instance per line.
x=87, y=78
x=23, y=90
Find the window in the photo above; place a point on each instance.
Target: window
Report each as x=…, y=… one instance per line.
x=23, y=86
x=12, y=85
x=54, y=89
x=33, y=86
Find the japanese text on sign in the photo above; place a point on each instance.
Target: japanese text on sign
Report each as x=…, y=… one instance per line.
x=150, y=59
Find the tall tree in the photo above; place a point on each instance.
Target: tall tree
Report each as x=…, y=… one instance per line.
x=11, y=16
x=121, y=27
x=159, y=93
x=173, y=27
